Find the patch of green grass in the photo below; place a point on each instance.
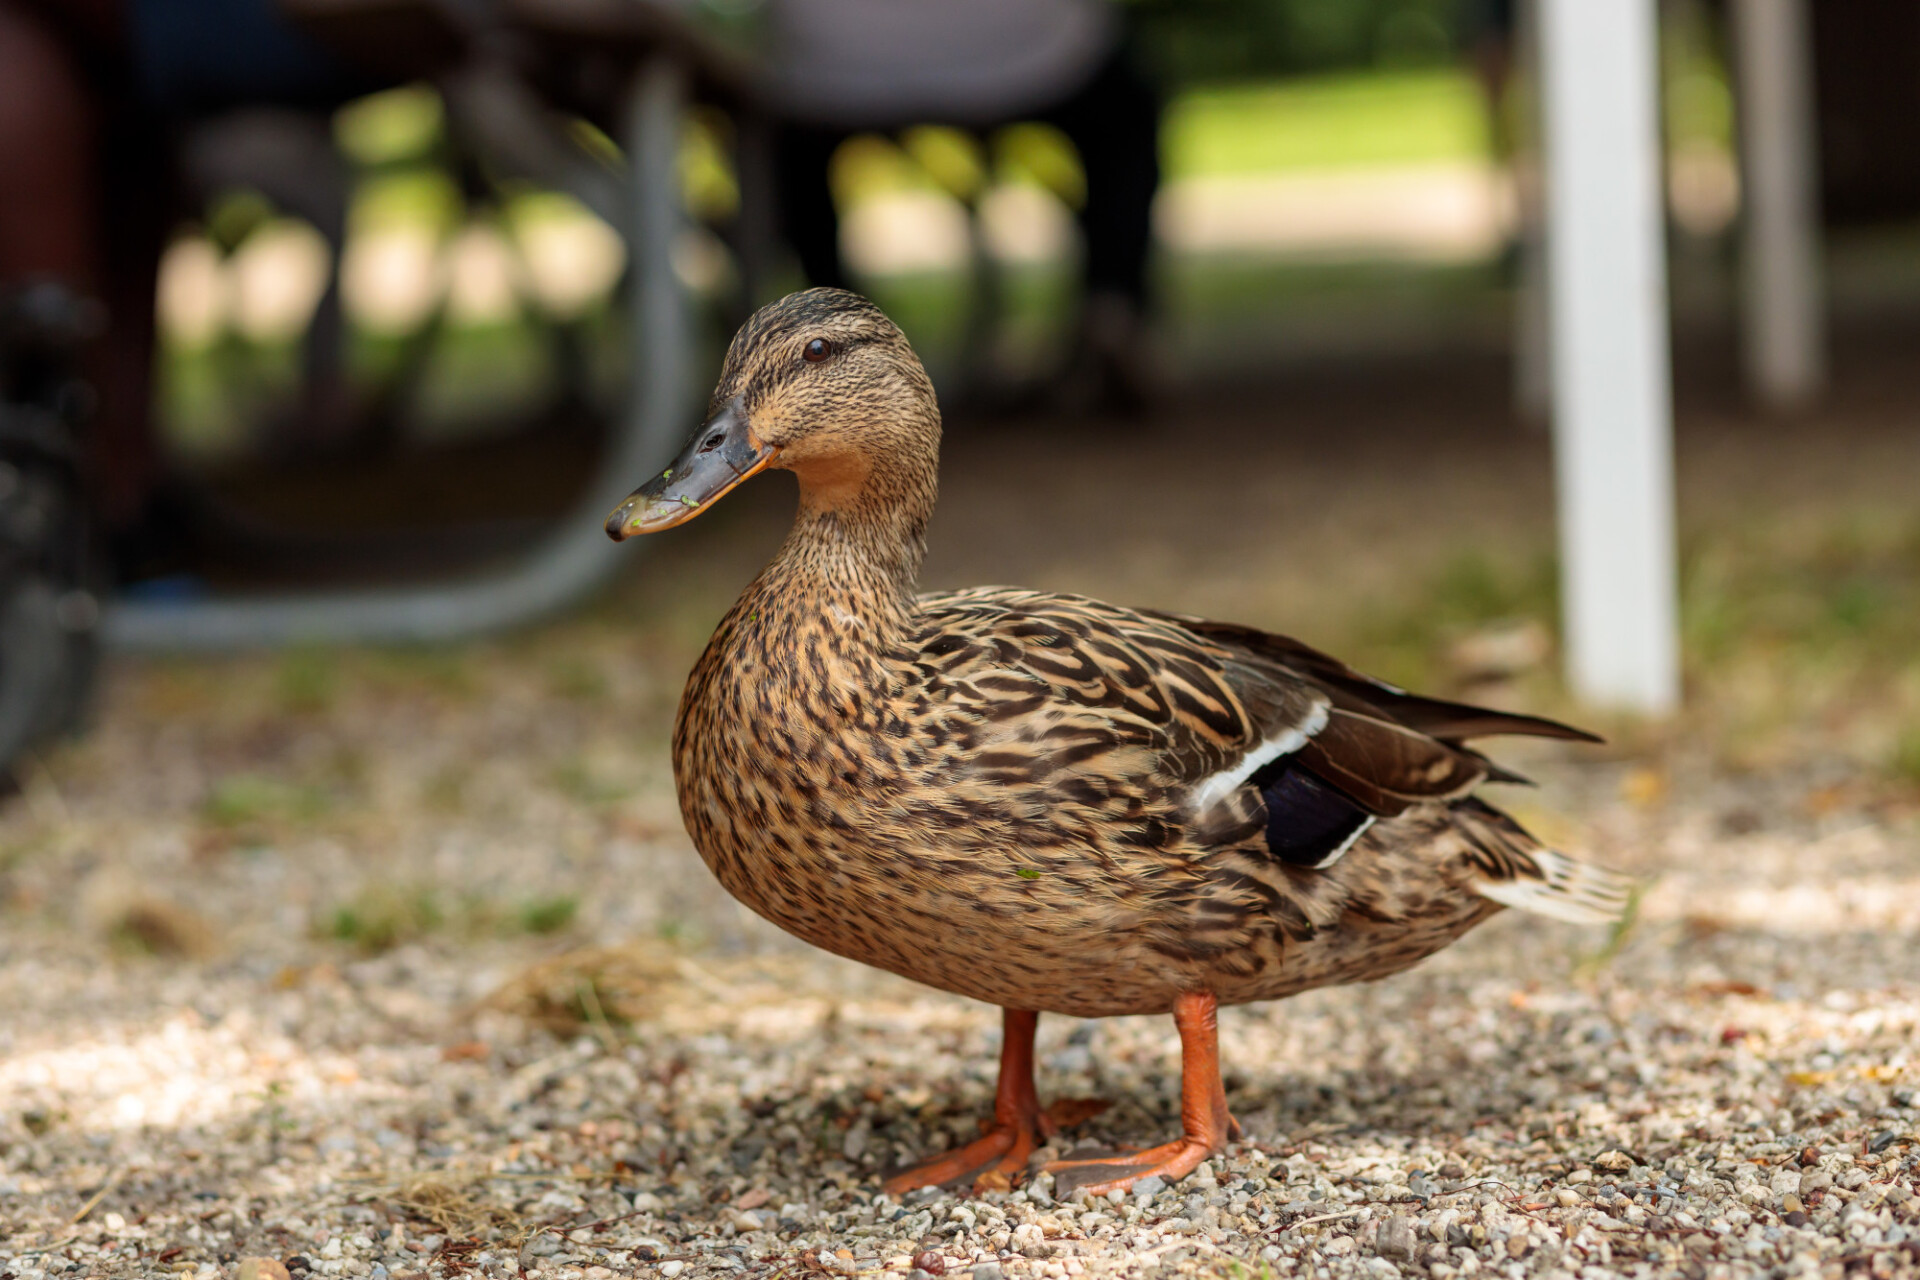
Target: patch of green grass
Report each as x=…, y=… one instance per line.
x=547, y=915
x=1793, y=636
x=577, y=678
x=575, y=780
x=446, y=790
x=1235, y=1269
x=245, y=799
x=307, y=681
x=1903, y=762
x=1404, y=641
x=1840, y=602
x=275, y=1116
x=1350, y=120
x=447, y=672
x=381, y=917
x=674, y=931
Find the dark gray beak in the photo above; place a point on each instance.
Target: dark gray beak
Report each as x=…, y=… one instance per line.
x=720, y=455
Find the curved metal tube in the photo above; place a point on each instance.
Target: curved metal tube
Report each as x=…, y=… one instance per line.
x=576, y=557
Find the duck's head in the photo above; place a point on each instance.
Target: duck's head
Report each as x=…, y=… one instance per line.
x=820, y=383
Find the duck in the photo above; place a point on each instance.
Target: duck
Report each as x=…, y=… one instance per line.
x=1039, y=800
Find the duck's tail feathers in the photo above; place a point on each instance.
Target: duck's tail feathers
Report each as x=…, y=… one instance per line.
x=1564, y=888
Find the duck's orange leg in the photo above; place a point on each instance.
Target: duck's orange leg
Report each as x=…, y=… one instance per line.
x=1000, y=1155
x=1204, y=1120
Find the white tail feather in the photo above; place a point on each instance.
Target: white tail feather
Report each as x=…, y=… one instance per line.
x=1566, y=890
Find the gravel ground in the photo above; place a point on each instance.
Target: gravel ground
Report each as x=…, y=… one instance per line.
x=332, y=960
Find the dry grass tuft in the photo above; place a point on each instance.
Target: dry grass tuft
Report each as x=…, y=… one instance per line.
x=154, y=926
x=452, y=1207
x=595, y=988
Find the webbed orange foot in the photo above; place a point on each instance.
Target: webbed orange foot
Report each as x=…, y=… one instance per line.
x=993, y=1162
x=1101, y=1174
x=1204, y=1118
x=998, y=1159
x=1000, y=1155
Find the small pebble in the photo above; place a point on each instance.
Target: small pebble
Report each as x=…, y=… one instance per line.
x=930, y=1262
x=672, y=1269
x=544, y=1245
x=1395, y=1237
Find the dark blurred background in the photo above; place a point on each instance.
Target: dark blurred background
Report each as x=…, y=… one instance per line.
x=309, y=298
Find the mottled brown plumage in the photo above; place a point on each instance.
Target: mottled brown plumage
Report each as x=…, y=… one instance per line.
x=1040, y=800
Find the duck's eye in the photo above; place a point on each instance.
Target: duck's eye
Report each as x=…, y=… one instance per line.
x=817, y=350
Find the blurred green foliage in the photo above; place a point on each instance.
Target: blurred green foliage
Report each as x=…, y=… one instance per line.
x=1403, y=638
x=1196, y=41
x=382, y=916
x=391, y=127
x=1333, y=121
x=247, y=799
x=951, y=157
x=307, y=680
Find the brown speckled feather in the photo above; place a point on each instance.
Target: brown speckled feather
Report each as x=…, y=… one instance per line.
x=1041, y=800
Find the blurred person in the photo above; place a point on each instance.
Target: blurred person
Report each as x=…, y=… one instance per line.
x=840, y=67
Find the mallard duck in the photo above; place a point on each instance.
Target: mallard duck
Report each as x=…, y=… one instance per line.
x=1039, y=800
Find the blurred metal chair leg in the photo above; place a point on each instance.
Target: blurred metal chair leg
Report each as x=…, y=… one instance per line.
x=575, y=557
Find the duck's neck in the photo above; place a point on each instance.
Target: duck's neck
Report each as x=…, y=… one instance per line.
x=852, y=558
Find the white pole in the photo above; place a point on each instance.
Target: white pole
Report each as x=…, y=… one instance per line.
x=1783, y=330
x=1613, y=448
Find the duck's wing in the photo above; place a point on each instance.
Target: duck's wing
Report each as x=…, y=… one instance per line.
x=1219, y=708
x=1452, y=722
x=1248, y=738
x=1035, y=683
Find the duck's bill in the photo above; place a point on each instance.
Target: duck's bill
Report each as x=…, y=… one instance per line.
x=720, y=455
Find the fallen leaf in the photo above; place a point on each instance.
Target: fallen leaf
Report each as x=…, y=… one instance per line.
x=1643, y=788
